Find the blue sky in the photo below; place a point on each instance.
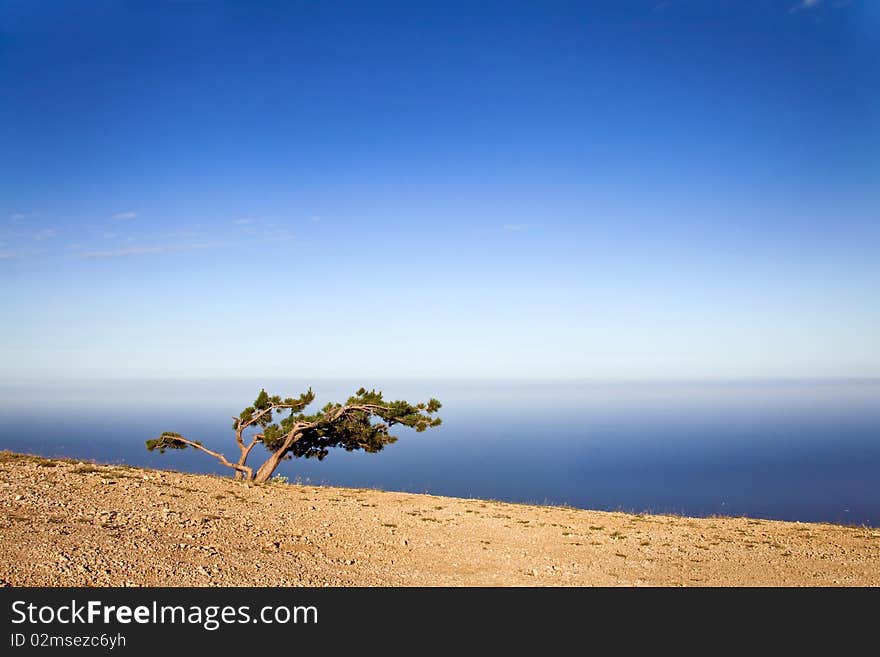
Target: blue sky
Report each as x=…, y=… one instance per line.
x=675, y=189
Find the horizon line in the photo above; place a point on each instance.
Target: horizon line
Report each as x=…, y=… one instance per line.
x=450, y=379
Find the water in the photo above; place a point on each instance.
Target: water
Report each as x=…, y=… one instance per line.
x=806, y=451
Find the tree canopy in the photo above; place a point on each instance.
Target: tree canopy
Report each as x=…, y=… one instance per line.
x=286, y=430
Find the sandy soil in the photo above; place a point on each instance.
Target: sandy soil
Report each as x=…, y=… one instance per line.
x=69, y=523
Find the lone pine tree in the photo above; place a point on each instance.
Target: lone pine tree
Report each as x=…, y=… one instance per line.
x=286, y=431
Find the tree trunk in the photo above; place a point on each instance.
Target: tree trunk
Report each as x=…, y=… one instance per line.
x=273, y=461
x=238, y=473
x=241, y=448
x=245, y=452
x=268, y=467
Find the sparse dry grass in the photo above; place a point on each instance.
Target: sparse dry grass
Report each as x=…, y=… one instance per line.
x=69, y=522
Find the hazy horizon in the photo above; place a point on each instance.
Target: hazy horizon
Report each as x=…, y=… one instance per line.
x=796, y=451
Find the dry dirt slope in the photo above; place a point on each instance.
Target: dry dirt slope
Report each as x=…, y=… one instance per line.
x=75, y=523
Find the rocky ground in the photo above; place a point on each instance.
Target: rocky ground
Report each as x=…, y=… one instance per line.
x=69, y=523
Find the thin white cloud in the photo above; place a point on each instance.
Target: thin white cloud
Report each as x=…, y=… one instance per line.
x=150, y=250
x=281, y=235
x=247, y=221
x=22, y=254
x=314, y=219
x=17, y=216
x=178, y=234
x=517, y=228
x=804, y=5
x=124, y=216
x=45, y=234
x=120, y=253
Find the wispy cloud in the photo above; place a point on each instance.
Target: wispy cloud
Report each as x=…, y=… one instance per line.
x=15, y=217
x=181, y=234
x=518, y=228
x=263, y=230
x=124, y=216
x=45, y=234
x=804, y=5
x=314, y=219
x=150, y=250
x=21, y=254
x=281, y=235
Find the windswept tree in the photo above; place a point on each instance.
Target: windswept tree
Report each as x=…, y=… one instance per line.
x=284, y=428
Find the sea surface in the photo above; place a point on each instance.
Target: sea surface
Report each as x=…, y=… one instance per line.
x=805, y=450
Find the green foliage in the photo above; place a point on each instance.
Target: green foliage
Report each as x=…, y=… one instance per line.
x=264, y=407
x=168, y=440
x=364, y=422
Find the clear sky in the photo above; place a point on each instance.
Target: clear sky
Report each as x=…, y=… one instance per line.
x=679, y=189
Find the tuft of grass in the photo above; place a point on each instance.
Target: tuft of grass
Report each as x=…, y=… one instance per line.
x=12, y=457
x=17, y=518
x=124, y=475
x=9, y=457
x=85, y=469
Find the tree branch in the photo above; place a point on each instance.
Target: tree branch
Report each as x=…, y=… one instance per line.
x=291, y=436
x=217, y=455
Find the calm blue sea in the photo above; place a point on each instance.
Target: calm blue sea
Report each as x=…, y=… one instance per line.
x=805, y=451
